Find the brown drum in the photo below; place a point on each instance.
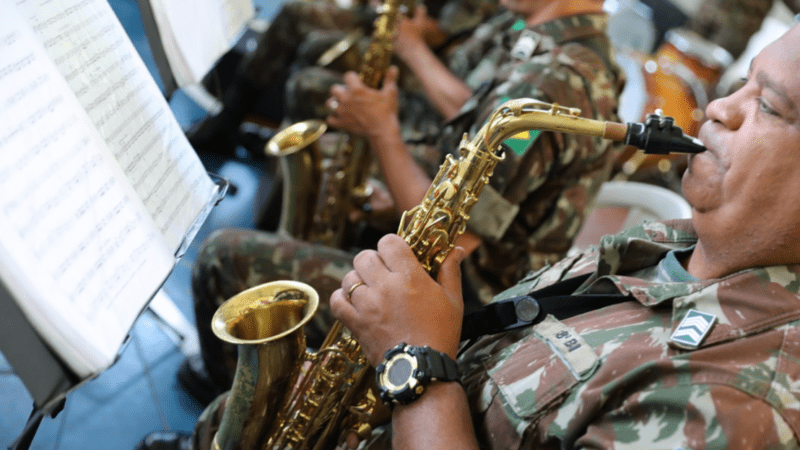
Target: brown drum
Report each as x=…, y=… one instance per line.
x=678, y=80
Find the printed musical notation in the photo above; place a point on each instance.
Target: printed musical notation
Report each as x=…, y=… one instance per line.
x=98, y=184
x=90, y=47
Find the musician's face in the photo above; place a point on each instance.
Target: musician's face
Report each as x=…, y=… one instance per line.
x=747, y=185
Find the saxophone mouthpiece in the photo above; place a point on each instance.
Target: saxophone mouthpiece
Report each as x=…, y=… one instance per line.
x=659, y=135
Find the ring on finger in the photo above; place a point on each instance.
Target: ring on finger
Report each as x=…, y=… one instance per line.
x=353, y=288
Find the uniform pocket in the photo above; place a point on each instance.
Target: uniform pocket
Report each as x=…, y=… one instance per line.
x=544, y=366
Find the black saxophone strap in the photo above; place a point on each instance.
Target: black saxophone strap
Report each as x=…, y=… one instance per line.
x=528, y=310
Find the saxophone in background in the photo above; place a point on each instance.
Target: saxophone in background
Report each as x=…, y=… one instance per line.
x=319, y=193
x=285, y=397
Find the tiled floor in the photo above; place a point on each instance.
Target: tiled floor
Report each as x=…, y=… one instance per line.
x=139, y=394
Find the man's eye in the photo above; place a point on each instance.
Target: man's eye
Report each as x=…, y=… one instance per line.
x=763, y=106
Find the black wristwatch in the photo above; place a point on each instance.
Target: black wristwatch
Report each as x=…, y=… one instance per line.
x=406, y=370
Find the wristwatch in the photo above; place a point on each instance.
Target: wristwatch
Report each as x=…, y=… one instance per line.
x=406, y=370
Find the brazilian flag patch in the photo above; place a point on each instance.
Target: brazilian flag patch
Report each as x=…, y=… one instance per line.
x=521, y=142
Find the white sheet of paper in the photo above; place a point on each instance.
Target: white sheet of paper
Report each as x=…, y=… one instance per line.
x=77, y=248
x=195, y=35
x=91, y=49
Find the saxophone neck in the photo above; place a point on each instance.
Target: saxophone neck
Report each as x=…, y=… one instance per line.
x=658, y=134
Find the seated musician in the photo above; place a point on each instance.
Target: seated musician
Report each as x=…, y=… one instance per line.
x=537, y=201
x=702, y=351
x=297, y=36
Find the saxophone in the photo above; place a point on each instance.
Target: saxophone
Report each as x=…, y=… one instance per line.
x=285, y=397
x=318, y=192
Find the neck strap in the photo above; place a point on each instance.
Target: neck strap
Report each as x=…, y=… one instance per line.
x=528, y=310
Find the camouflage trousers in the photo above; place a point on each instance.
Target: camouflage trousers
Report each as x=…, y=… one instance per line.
x=209, y=421
x=231, y=261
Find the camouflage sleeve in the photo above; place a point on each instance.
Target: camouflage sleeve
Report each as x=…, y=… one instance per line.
x=695, y=416
x=458, y=16
x=571, y=77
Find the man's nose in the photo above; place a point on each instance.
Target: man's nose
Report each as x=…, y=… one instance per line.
x=728, y=110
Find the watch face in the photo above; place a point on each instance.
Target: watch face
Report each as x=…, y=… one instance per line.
x=399, y=371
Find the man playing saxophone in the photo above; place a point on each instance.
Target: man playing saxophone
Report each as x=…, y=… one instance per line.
x=701, y=352
x=562, y=56
x=537, y=197
x=286, y=64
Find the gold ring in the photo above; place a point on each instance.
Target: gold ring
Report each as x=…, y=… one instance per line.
x=353, y=288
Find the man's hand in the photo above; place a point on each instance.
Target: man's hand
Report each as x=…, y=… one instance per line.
x=416, y=34
x=399, y=302
x=359, y=109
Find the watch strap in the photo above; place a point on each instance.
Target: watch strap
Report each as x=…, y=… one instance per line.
x=439, y=366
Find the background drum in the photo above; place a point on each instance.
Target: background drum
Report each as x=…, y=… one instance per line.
x=678, y=79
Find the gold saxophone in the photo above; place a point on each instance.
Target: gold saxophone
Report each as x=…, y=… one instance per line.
x=284, y=397
x=318, y=192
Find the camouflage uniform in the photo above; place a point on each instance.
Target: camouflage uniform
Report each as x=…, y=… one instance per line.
x=309, y=85
x=731, y=23
x=303, y=30
x=620, y=383
x=539, y=195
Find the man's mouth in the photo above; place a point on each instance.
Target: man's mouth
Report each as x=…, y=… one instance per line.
x=708, y=137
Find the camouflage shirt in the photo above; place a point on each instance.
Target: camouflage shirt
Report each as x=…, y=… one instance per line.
x=309, y=85
x=612, y=378
x=540, y=193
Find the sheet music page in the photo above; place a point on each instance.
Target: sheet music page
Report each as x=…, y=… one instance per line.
x=78, y=249
x=195, y=35
x=94, y=54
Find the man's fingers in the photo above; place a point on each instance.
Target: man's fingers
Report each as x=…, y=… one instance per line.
x=390, y=79
x=370, y=267
x=341, y=308
x=397, y=254
x=352, y=80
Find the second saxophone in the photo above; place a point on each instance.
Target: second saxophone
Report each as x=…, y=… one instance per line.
x=319, y=192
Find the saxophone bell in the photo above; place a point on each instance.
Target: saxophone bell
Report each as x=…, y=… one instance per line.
x=295, y=138
x=300, y=159
x=266, y=323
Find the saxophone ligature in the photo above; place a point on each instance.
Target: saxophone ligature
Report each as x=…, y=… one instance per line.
x=290, y=398
x=319, y=191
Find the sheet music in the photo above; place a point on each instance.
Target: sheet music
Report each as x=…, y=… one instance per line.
x=67, y=215
x=91, y=49
x=196, y=35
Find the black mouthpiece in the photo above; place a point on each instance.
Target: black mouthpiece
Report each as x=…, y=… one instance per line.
x=659, y=135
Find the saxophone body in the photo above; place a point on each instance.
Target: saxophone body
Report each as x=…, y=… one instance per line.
x=318, y=211
x=315, y=400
